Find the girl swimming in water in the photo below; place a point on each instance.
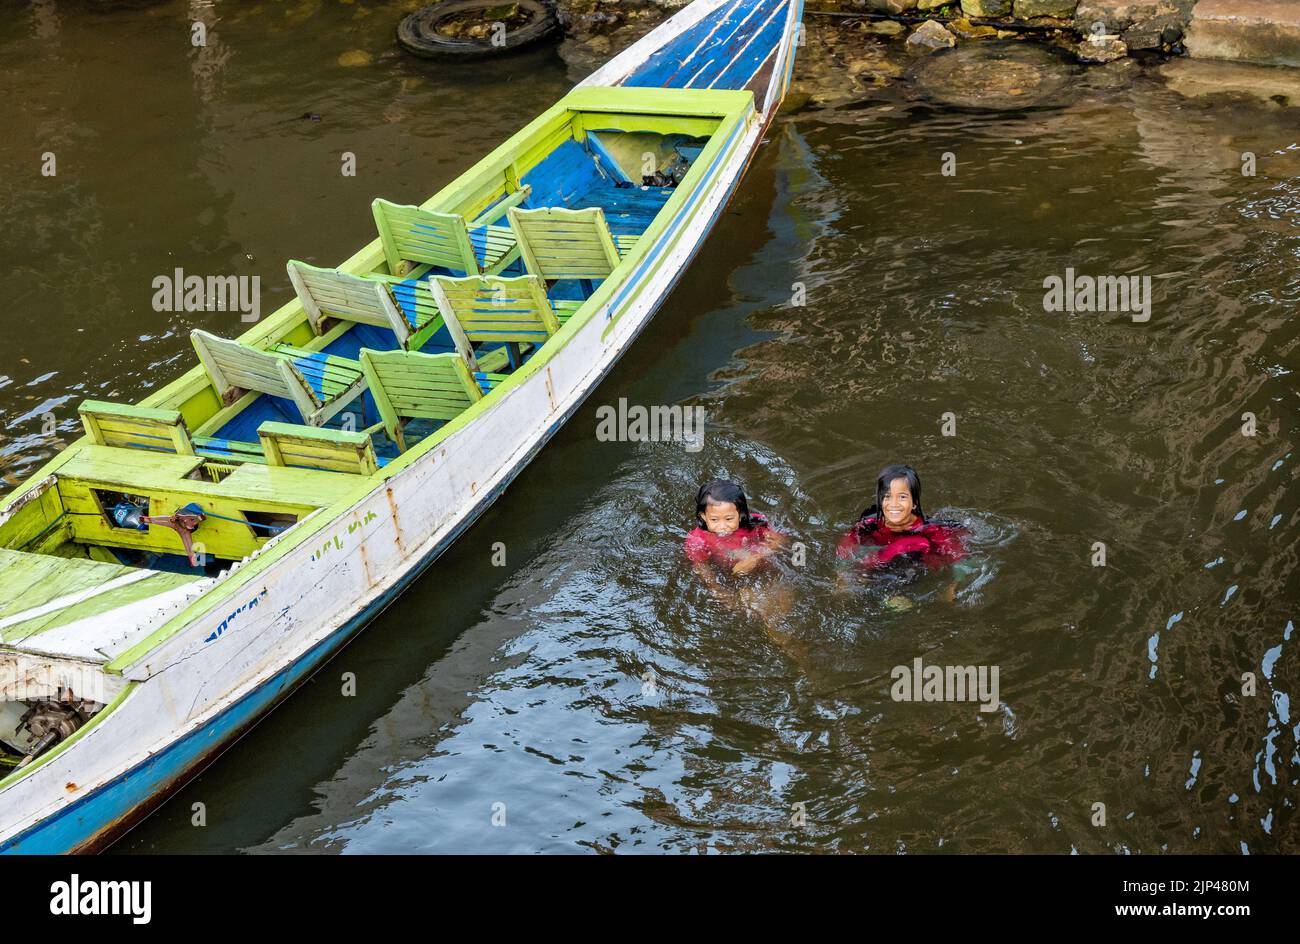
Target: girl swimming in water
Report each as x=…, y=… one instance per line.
x=731, y=539
x=896, y=529
x=727, y=534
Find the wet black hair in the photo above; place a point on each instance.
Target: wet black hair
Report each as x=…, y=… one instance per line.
x=887, y=475
x=721, y=491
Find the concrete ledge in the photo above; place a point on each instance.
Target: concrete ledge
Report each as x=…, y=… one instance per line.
x=1267, y=83
x=1260, y=31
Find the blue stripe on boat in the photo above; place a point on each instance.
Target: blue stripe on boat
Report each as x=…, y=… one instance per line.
x=404, y=294
x=747, y=62
x=703, y=54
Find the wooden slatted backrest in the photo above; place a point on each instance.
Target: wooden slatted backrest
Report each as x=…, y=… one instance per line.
x=233, y=366
x=564, y=244
x=412, y=235
x=347, y=296
x=414, y=303
x=135, y=427
x=410, y=384
x=312, y=447
x=481, y=309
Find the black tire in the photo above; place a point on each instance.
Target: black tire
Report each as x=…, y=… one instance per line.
x=418, y=32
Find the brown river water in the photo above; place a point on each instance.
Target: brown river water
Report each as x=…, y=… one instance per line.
x=589, y=695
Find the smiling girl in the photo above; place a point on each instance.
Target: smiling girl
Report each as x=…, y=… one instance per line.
x=730, y=540
x=896, y=529
x=728, y=535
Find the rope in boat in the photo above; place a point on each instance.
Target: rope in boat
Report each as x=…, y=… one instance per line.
x=207, y=514
x=251, y=524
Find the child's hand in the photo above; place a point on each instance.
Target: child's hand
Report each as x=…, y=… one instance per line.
x=752, y=559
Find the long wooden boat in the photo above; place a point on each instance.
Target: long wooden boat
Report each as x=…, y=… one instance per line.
x=172, y=575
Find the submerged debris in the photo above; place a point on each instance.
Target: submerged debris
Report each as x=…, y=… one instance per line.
x=996, y=75
x=930, y=35
x=1102, y=47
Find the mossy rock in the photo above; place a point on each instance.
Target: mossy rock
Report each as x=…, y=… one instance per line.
x=1057, y=8
x=986, y=7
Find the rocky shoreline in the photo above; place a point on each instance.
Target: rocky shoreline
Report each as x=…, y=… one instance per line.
x=1096, y=30
x=1009, y=53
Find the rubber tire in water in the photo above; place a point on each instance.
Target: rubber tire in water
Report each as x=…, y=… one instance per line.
x=417, y=31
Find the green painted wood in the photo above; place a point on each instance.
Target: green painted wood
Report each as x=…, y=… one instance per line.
x=565, y=309
x=678, y=103
x=311, y=447
x=478, y=310
x=408, y=385
x=565, y=244
x=165, y=481
x=668, y=124
x=32, y=526
x=116, y=424
x=411, y=235
x=151, y=474
x=128, y=410
x=326, y=292
x=228, y=450
x=235, y=367
x=31, y=581
x=109, y=464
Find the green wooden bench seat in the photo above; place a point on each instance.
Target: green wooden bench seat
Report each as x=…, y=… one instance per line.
x=311, y=447
x=413, y=237
x=403, y=306
x=135, y=427
x=230, y=450
x=508, y=311
x=565, y=244
x=411, y=385
x=319, y=384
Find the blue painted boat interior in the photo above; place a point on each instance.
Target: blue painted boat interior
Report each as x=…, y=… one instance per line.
x=724, y=50
x=574, y=175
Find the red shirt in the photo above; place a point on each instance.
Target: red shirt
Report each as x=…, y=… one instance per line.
x=938, y=544
x=703, y=545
